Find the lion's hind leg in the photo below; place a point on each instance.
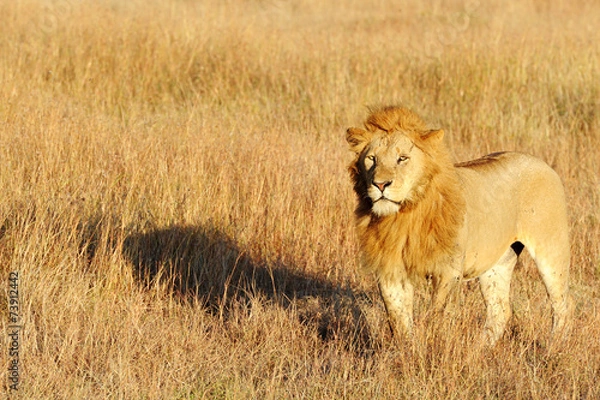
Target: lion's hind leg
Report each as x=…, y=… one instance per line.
x=553, y=261
x=544, y=230
x=495, y=287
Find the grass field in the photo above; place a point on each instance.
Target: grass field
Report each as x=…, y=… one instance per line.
x=175, y=199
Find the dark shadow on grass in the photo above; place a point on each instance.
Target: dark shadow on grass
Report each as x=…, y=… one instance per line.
x=205, y=264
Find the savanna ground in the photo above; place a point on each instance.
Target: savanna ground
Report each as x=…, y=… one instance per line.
x=174, y=194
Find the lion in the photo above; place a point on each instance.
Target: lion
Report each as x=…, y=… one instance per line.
x=419, y=216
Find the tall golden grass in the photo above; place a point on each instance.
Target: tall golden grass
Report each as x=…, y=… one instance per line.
x=175, y=199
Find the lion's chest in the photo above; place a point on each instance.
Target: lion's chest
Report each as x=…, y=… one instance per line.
x=390, y=248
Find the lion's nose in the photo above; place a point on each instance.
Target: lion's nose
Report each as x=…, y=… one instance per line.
x=382, y=185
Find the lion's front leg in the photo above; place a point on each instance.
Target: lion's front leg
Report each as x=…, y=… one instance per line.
x=398, y=300
x=443, y=286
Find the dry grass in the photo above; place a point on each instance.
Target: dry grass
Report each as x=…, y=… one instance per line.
x=175, y=195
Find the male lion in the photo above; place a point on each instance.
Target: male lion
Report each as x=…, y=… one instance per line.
x=420, y=216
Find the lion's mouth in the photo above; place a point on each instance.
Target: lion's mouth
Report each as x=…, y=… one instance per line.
x=384, y=206
x=387, y=199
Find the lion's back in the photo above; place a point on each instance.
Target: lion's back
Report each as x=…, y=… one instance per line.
x=509, y=172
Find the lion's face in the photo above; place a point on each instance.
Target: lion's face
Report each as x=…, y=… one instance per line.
x=391, y=167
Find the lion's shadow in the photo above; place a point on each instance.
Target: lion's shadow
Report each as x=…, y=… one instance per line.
x=203, y=263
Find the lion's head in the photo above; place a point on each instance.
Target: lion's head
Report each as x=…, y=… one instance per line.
x=396, y=158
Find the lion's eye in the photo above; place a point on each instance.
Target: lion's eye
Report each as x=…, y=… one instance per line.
x=370, y=161
x=401, y=159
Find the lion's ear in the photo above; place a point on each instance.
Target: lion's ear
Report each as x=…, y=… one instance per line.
x=433, y=136
x=357, y=139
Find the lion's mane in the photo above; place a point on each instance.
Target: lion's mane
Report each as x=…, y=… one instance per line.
x=417, y=240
